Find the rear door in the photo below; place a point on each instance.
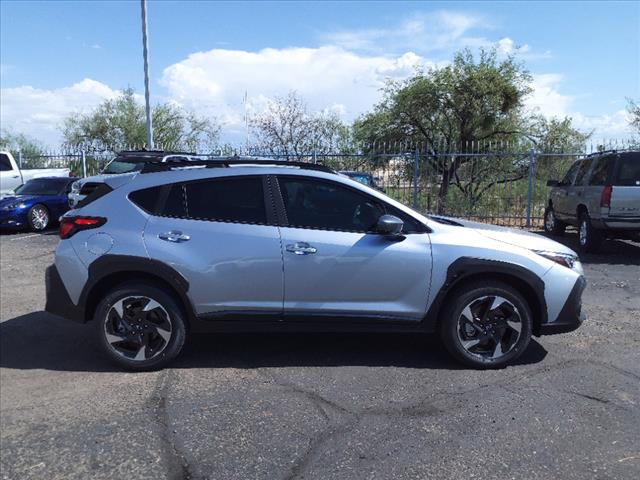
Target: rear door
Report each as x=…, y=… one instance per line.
x=218, y=233
x=625, y=195
x=335, y=265
x=560, y=194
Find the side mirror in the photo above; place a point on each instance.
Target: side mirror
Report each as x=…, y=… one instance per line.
x=389, y=225
x=552, y=183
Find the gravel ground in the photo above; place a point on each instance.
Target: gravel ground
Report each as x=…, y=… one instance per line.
x=319, y=406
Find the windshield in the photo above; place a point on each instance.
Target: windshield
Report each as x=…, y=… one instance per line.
x=124, y=166
x=43, y=186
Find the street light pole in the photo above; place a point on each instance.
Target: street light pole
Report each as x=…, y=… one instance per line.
x=145, y=53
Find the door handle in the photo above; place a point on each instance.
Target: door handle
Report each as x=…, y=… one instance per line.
x=16, y=176
x=301, y=248
x=174, y=236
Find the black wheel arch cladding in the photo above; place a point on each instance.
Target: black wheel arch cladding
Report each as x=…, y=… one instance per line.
x=464, y=269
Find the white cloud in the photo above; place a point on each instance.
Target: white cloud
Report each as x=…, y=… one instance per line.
x=40, y=112
x=329, y=77
x=548, y=100
x=423, y=32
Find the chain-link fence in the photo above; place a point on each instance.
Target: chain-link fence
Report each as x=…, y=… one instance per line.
x=494, y=183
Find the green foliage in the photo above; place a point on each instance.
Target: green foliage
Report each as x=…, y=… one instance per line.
x=121, y=122
x=467, y=107
x=15, y=142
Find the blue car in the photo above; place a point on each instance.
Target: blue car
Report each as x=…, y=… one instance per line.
x=36, y=204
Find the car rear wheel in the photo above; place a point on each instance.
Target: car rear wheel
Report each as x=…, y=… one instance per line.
x=589, y=238
x=38, y=218
x=552, y=225
x=140, y=326
x=486, y=325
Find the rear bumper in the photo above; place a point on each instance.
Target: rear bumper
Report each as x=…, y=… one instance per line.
x=617, y=223
x=58, y=301
x=571, y=316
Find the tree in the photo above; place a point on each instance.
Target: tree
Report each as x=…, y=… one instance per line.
x=287, y=128
x=18, y=142
x=465, y=107
x=633, y=109
x=120, y=122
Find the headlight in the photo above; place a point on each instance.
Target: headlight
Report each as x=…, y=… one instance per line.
x=13, y=206
x=564, y=259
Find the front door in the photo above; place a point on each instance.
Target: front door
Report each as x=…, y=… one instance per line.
x=336, y=265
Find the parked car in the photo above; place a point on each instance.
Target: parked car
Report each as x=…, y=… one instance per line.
x=37, y=204
x=11, y=176
x=239, y=245
x=364, y=178
x=600, y=194
x=124, y=162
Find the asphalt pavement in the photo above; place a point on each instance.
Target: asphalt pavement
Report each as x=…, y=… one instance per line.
x=319, y=406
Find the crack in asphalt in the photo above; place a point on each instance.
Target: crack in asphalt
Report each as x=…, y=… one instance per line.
x=177, y=466
x=588, y=397
x=424, y=407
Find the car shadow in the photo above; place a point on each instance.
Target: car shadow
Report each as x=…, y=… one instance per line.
x=43, y=341
x=611, y=252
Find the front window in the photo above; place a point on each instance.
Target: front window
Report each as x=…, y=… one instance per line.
x=328, y=206
x=43, y=186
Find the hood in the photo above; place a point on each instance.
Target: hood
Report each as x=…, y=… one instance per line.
x=28, y=199
x=513, y=236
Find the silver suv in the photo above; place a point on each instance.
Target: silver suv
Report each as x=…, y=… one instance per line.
x=214, y=246
x=600, y=194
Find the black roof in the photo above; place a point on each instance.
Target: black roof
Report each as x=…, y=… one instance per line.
x=223, y=162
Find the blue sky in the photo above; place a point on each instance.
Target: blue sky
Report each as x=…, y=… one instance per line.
x=59, y=57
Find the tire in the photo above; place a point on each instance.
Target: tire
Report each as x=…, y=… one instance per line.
x=589, y=238
x=38, y=218
x=150, y=338
x=475, y=344
x=552, y=225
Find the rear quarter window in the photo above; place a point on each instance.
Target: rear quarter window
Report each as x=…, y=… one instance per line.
x=146, y=199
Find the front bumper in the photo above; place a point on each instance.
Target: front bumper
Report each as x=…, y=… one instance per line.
x=13, y=218
x=58, y=301
x=571, y=316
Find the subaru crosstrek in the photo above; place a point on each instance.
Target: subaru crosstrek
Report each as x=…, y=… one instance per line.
x=171, y=251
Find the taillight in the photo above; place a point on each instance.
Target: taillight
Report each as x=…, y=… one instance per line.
x=605, y=198
x=69, y=226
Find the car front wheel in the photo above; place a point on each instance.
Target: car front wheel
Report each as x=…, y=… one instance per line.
x=38, y=218
x=140, y=326
x=486, y=325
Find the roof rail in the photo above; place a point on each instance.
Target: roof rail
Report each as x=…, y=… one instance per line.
x=614, y=150
x=152, y=167
x=153, y=152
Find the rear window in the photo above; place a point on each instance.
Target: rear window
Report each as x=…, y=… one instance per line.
x=237, y=199
x=227, y=200
x=146, y=198
x=628, y=170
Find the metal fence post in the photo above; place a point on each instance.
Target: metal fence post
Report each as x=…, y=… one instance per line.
x=20, y=159
x=84, y=164
x=532, y=166
x=416, y=171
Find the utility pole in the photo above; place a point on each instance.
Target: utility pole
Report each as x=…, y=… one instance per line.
x=145, y=54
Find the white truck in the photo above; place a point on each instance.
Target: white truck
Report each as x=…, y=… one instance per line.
x=11, y=176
